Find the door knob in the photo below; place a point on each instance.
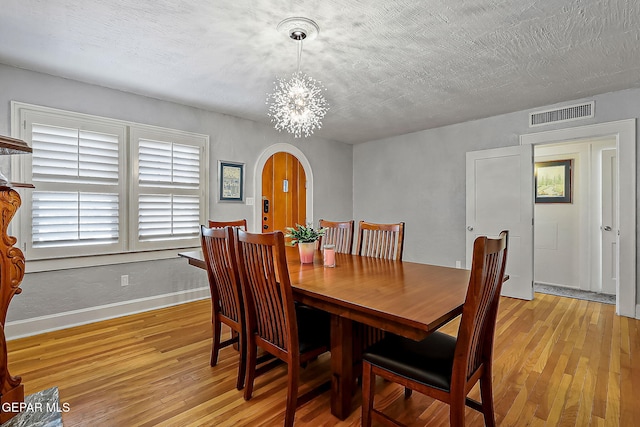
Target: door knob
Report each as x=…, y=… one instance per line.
x=606, y=228
x=470, y=228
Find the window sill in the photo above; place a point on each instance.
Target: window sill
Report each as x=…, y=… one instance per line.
x=36, y=266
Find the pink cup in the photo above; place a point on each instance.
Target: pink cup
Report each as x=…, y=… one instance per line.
x=329, y=255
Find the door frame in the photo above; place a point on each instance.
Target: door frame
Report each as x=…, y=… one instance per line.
x=257, y=178
x=624, y=132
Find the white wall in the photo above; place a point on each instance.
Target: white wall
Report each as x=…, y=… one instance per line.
x=419, y=178
x=49, y=296
x=567, y=239
x=560, y=232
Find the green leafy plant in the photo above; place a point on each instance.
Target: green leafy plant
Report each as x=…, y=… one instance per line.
x=302, y=234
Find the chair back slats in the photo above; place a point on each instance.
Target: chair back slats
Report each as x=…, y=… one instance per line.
x=239, y=223
x=477, y=326
x=339, y=233
x=266, y=288
x=218, y=252
x=380, y=240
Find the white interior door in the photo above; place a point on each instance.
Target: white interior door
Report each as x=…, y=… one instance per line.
x=609, y=227
x=499, y=196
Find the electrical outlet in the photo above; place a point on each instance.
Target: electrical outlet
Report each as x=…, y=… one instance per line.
x=124, y=280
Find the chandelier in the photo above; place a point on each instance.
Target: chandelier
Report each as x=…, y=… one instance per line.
x=297, y=104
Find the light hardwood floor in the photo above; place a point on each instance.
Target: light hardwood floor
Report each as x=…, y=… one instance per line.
x=558, y=361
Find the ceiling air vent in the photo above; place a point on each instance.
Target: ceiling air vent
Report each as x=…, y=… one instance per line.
x=565, y=114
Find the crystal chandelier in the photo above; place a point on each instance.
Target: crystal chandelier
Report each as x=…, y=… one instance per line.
x=297, y=104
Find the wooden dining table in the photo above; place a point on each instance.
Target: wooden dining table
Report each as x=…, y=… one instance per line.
x=406, y=298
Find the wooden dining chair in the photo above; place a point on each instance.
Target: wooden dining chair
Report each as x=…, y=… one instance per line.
x=294, y=334
x=241, y=223
x=380, y=240
x=441, y=366
x=339, y=233
x=377, y=241
x=218, y=249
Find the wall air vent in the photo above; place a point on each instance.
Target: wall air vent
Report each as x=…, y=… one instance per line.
x=564, y=114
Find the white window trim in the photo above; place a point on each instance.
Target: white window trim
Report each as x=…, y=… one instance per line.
x=133, y=253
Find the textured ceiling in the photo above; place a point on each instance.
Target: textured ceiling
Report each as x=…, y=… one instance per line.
x=390, y=67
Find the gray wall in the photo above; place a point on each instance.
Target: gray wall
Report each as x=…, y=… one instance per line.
x=231, y=139
x=419, y=178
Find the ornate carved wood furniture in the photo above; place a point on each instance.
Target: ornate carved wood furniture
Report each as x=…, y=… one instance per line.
x=11, y=274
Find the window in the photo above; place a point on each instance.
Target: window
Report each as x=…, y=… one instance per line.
x=168, y=190
x=106, y=187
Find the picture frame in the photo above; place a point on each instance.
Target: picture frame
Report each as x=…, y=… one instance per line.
x=230, y=181
x=553, y=181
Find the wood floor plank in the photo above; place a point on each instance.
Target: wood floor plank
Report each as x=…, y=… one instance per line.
x=557, y=361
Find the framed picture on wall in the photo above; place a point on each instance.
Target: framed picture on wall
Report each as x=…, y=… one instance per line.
x=553, y=181
x=231, y=181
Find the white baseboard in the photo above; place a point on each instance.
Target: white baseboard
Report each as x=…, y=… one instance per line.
x=638, y=311
x=54, y=322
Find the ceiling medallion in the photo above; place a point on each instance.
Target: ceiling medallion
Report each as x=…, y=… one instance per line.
x=297, y=104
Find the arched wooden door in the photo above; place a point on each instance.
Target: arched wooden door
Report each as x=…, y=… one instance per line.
x=284, y=193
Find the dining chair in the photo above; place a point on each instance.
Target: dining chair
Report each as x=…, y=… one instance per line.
x=294, y=334
x=442, y=366
x=218, y=249
x=377, y=241
x=241, y=223
x=339, y=233
x=380, y=240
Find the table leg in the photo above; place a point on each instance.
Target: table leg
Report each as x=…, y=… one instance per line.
x=341, y=366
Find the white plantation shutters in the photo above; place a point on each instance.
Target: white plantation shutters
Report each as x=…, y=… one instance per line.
x=167, y=163
x=105, y=186
x=168, y=216
x=169, y=199
x=77, y=205
x=169, y=190
x=68, y=154
x=87, y=161
x=74, y=218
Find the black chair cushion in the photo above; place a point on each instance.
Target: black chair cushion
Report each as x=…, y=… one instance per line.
x=429, y=361
x=313, y=328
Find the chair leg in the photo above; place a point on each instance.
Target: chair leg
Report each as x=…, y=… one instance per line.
x=486, y=394
x=250, y=368
x=234, y=335
x=292, y=394
x=215, y=346
x=407, y=392
x=368, y=389
x=242, y=362
x=456, y=411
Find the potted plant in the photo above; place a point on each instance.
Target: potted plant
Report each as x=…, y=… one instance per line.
x=305, y=238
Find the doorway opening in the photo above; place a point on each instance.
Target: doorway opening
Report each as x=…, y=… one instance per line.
x=574, y=236
x=624, y=133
